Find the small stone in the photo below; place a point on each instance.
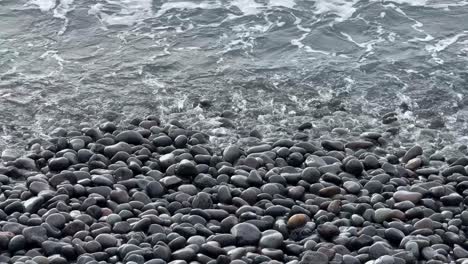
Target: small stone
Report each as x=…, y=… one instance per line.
x=382, y=214
x=37, y=186
x=186, y=168
x=35, y=235
x=413, y=197
x=58, y=164
x=231, y=154
x=378, y=249
x=352, y=187
x=186, y=254
x=162, y=141
x=315, y=161
x=373, y=186
x=413, y=164
x=328, y=231
x=10, y=154
x=424, y=223
x=271, y=239
x=25, y=163
x=202, y=201
x=107, y=240
x=453, y=199
x=56, y=220
x=297, y=220
x=224, y=194
x=246, y=234
x=412, y=153
x=333, y=145
x=314, y=257
x=311, y=175
x=459, y=252
x=130, y=137
x=154, y=189
x=329, y=191
x=354, y=166
x=18, y=242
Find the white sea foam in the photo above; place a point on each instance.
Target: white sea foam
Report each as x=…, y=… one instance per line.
x=283, y=3
x=444, y=43
x=343, y=9
x=131, y=11
x=441, y=4
x=248, y=7
x=44, y=5
x=185, y=5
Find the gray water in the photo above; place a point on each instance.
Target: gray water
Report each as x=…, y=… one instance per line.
x=276, y=63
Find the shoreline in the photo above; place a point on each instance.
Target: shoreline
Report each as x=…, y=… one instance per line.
x=161, y=193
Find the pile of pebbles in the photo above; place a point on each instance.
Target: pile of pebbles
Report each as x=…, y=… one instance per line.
x=155, y=193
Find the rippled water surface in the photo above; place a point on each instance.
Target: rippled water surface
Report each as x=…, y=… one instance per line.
x=276, y=63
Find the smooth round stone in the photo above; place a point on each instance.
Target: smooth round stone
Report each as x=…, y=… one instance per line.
x=202, y=201
x=394, y=235
x=56, y=220
x=58, y=164
x=107, y=240
x=35, y=235
x=354, y=166
x=352, y=187
x=119, y=196
x=231, y=154
x=16, y=243
x=329, y=191
x=314, y=257
x=349, y=259
x=271, y=239
x=382, y=214
x=198, y=240
x=224, y=194
x=297, y=220
x=186, y=168
x=373, y=186
x=162, y=141
x=240, y=181
x=10, y=154
x=333, y=145
x=186, y=254
x=413, y=197
x=328, y=231
x=130, y=137
x=413, y=164
x=246, y=234
x=311, y=175
x=154, y=189
x=38, y=186
x=453, y=199
x=459, y=252
x=424, y=223
x=378, y=249
x=412, y=153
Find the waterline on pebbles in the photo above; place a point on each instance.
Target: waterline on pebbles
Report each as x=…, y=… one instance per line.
x=160, y=194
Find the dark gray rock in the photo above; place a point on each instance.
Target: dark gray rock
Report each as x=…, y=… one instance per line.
x=271, y=239
x=35, y=235
x=202, y=201
x=154, y=189
x=107, y=240
x=246, y=234
x=231, y=154
x=130, y=137
x=315, y=257
x=58, y=164
x=412, y=153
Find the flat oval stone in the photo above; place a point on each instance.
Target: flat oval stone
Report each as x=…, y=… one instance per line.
x=413, y=197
